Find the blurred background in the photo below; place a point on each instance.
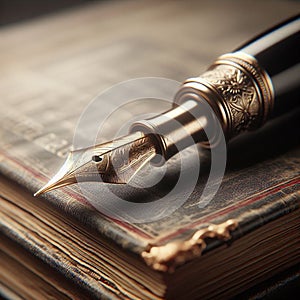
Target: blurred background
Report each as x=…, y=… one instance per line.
x=17, y=10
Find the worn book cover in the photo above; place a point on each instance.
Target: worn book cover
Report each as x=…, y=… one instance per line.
x=52, y=68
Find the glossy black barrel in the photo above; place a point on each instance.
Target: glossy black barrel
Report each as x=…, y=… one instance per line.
x=278, y=52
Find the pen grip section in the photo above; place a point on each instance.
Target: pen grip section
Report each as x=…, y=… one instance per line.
x=176, y=129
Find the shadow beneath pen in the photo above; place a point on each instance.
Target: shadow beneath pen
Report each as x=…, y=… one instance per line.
x=273, y=139
x=135, y=192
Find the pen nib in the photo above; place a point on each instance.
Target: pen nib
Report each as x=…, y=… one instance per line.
x=112, y=162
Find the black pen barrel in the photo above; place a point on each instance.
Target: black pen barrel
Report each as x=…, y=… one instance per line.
x=278, y=52
x=239, y=92
x=252, y=84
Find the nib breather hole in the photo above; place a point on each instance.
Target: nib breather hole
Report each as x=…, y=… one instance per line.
x=97, y=158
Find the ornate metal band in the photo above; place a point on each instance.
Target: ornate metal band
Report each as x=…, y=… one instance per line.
x=237, y=88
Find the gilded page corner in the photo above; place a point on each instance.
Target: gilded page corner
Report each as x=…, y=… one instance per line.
x=167, y=257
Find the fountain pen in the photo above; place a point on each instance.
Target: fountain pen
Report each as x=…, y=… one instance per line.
x=240, y=91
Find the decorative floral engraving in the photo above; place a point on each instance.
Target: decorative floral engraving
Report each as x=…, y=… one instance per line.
x=233, y=83
x=239, y=92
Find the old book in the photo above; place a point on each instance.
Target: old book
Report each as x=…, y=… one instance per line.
x=245, y=235
x=23, y=276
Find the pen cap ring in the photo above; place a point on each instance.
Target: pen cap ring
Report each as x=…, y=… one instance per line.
x=237, y=89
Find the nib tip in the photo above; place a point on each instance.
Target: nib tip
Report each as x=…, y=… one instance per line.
x=39, y=192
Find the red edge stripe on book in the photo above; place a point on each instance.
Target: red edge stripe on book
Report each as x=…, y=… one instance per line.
x=233, y=207
x=133, y=229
